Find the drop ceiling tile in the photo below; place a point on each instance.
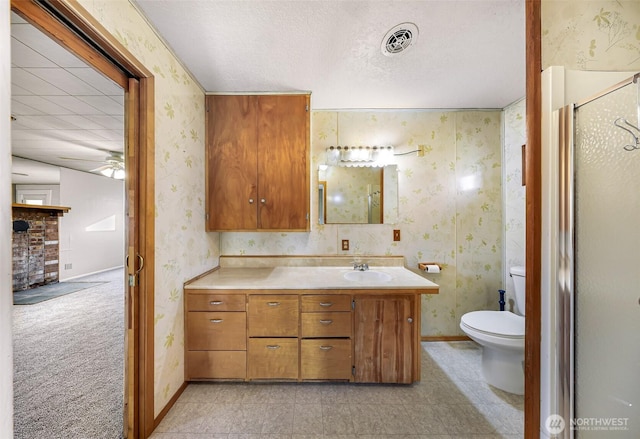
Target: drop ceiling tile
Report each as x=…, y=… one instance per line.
x=40, y=103
x=23, y=56
x=75, y=105
x=105, y=104
x=36, y=40
x=64, y=81
x=19, y=109
x=101, y=83
x=81, y=122
x=37, y=86
x=115, y=135
x=108, y=122
x=15, y=18
x=42, y=122
x=19, y=91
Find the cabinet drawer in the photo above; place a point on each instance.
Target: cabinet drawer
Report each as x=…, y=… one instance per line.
x=326, y=302
x=216, y=364
x=273, y=316
x=209, y=331
x=215, y=302
x=325, y=359
x=326, y=324
x=273, y=358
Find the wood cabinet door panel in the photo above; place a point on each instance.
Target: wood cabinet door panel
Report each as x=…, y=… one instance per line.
x=384, y=339
x=210, y=331
x=273, y=316
x=231, y=165
x=215, y=302
x=325, y=302
x=328, y=359
x=216, y=365
x=273, y=358
x=326, y=324
x=283, y=167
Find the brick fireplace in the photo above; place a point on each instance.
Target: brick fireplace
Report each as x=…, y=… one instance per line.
x=36, y=250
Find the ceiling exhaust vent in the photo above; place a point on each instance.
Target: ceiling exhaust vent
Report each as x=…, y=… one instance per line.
x=399, y=39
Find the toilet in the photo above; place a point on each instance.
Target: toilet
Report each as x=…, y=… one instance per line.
x=501, y=335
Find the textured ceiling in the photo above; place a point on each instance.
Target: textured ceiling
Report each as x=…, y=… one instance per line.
x=468, y=54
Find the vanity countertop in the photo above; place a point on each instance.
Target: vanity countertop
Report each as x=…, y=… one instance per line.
x=313, y=277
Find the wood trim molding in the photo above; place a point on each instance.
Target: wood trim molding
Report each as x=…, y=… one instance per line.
x=533, y=219
x=146, y=223
x=444, y=338
x=170, y=404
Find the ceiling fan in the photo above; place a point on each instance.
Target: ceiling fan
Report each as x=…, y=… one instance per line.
x=113, y=165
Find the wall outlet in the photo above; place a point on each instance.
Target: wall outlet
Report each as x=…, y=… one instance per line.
x=396, y=235
x=345, y=244
x=420, y=154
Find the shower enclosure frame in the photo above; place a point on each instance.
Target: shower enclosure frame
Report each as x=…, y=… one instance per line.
x=565, y=300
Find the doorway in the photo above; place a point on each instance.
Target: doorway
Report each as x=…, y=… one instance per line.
x=74, y=29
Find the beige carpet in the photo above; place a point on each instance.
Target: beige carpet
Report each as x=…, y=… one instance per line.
x=69, y=363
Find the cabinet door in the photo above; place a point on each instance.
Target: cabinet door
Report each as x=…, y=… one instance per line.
x=231, y=162
x=283, y=166
x=384, y=339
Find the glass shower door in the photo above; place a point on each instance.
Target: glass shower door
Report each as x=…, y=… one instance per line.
x=607, y=267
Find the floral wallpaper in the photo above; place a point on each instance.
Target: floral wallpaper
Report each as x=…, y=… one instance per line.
x=450, y=205
x=591, y=35
x=514, y=120
x=183, y=249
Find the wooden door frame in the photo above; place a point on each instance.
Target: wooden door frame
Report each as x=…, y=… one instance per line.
x=54, y=18
x=533, y=178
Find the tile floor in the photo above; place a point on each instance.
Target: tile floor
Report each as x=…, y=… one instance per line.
x=451, y=402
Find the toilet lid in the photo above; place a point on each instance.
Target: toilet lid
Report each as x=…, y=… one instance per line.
x=500, y=323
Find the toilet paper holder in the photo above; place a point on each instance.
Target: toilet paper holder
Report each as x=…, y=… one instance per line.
x=430, y=267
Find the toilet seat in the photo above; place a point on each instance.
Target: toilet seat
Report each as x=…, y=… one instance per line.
x=503, y=324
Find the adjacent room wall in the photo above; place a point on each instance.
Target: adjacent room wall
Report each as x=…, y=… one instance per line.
x=6, y=299
x=450, y=205
x=183, y=248
x=92, y=233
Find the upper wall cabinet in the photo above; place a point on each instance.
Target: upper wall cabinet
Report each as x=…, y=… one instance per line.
x=258, y=162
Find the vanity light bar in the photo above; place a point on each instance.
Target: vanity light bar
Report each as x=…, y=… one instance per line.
x=359, y=155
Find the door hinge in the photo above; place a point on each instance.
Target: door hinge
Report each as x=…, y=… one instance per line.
x=307, y=216
x=306, y=108
x=206, y=216
x=353, y=304
x=353, y=370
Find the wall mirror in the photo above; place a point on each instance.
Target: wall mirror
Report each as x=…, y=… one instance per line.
x=357, y=195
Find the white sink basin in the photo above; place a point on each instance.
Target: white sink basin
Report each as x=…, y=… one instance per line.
x=367, y=276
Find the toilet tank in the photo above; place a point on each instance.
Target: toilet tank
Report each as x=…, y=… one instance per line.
x=517, y=274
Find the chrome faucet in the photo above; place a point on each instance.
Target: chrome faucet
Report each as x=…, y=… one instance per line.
x=360, y=267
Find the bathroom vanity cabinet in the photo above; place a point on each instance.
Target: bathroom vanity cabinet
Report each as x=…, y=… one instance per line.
x=385, y=339
x=363, y=336
x=257, y=162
